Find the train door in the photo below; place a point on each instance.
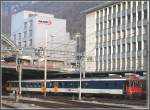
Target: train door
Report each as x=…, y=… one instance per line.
x=55, y=87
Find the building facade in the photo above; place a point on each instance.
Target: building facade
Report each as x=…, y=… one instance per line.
x=117, y=36
x=29, y=30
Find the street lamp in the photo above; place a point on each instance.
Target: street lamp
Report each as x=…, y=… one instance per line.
x=78, y=35
x=45, y=62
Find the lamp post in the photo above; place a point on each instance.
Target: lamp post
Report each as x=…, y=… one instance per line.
x=19, y=69
x=78, y=35
x=45, y=62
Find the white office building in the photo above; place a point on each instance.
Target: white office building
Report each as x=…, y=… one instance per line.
x=117, y=36
x=28, y=30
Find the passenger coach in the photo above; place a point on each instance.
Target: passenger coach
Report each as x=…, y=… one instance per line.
x=122, y=86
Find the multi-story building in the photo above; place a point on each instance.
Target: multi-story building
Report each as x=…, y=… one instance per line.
x=29, y=29
x=117, y=36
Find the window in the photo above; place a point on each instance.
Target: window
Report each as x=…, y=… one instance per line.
x=123, y=34
x=139, y=31
x=123, y=20
x=30, y=33
x=101, y=51
x=113, y=36
x=119, y=8
x=19, y=43
x=139, y=45
x=145, y=14
x=134, y=17
x=114, y=8
x=109, y=10
x=134, y=4
x=25, y=44
x=101, y=25
x=128, y=33
x=109, y=23
x=139, y=3
x=109, y=49
x=128, y=47
x=133, y=32
x=124, y=5
x=31, y=23
x=25, y=33
x=19, y=36
x=105, y=50
x=129, y=4
x=118, y=21
x=134, y=46
x=144, y=29
x=101, y=12
x=105, y=11
x=129, y=18
x=145, y=44
x=105, y=24
x=123, y=48
x=139, y=15
x=113, y=49
x=114, y=22
x=118, y=48
x=118, y=34
x=30, y=42
x=25, y=25
x=15, y=37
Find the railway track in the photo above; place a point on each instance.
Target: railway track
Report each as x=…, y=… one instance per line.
x=67, y=102
x=141, y=102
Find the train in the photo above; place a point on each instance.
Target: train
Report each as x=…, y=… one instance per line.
x=127, y=86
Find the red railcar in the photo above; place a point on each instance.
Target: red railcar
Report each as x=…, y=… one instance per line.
x=133, y=86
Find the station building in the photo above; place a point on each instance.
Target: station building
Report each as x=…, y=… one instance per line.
x=117, y=36
x=29, y=29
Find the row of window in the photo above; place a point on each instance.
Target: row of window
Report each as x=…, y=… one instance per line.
x=113, y=22
x=73, y=84
x=26, y=24
x=117, y=35
x=109, y=10
x=25, y=35
x=25, y=43
x=118, y=62
x=118, y=47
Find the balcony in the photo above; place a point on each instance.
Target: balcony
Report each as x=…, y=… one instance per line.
x=139, y=23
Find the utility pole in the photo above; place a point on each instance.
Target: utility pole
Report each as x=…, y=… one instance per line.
x=19, y=69
x=45, y=63
x=78, y=35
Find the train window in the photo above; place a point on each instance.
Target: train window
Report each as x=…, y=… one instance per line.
x=106, y=84
x=51, y=84
x=115, y=83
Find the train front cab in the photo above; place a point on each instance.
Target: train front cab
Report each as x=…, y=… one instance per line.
x=133, y=87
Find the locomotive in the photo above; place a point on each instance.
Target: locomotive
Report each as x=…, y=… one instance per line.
x=127, y=86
